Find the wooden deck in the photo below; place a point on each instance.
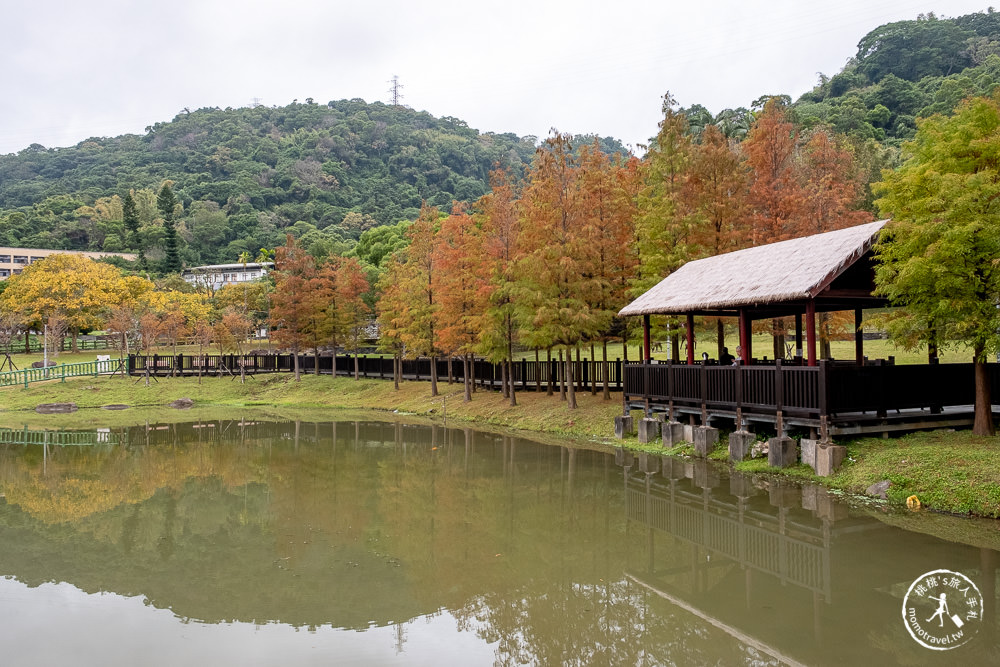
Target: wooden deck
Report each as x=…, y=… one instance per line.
x=843, y=397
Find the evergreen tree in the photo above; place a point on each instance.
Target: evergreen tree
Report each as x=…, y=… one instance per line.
x=130, y=216
x=166, y=202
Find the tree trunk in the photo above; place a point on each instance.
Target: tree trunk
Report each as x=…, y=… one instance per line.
x=983, y=423
x=357, y=374
x=571, y=379
x=593, y=371
x=538, y=374
x=451, y=373
x=503, y=379
x=824, y=336
x=510, y=376
x=434, y=376
x=607, y=388
x=295, y=355
x=397, y=370
x=562, y=376
x=510, y=360
x=466, y=378
x=548, y=366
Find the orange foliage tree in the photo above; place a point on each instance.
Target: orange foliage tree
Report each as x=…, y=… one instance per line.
x=460, y=284
x=293, y=303
x=500, y=225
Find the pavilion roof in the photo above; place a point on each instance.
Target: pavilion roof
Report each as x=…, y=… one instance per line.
x=787, y=271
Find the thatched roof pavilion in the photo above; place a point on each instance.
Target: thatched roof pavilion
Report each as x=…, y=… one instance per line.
x=819, y=273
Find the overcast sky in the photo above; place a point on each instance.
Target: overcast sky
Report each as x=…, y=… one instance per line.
x=73, y=70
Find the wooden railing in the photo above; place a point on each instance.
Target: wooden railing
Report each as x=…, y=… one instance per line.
x=528, y=374
x=811, y=391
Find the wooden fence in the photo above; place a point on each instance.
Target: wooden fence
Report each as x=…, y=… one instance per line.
x=528, y=374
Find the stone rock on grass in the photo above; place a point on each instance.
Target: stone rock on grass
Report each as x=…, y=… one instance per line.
x=55, y=408
x=182, y=404
x=759, y=449
x=879, y=489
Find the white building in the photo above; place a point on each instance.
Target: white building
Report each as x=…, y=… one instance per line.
x=215, y=276
x=13, y=260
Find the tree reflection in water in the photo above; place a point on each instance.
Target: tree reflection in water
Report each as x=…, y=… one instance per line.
x=552, y=555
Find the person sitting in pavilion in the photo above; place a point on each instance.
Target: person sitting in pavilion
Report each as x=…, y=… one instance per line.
x=726, y=359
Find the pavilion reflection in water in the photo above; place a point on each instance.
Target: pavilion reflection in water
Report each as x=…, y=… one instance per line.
x=790, y=571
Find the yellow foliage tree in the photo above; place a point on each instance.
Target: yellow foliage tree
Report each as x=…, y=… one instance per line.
x=73, y=287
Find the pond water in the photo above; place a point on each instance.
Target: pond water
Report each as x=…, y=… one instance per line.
x=262, y=543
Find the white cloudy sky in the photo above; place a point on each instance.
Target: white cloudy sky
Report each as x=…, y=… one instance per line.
x=72, y=70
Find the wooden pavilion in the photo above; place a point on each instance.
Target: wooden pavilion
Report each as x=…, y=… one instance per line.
x=832, y=271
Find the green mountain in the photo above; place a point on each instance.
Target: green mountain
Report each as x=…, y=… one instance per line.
x=907, y=70
x=247, y=176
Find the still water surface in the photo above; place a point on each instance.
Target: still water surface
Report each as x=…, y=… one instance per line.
x=261, y=543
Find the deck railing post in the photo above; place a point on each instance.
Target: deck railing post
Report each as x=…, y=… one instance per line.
x=704, y=394
x=739, y=396
x=824, y=407
x=880, y=407
x=779, y=398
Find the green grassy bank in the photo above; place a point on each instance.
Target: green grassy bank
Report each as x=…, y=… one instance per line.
x=948, y=471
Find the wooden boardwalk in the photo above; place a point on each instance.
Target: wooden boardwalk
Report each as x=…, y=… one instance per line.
x=842, y=397
x=528, y=374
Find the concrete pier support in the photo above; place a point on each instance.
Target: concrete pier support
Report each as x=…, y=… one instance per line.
x=828, y=458
x=673, y=434
x=624, y=426
x=782, y=452
x=649, y=429
x=808, y=447
x=705, y=439
x=740, y=443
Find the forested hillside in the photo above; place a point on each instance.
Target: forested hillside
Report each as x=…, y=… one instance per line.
x=907, y=70
x=326, y=173
x=246, y=176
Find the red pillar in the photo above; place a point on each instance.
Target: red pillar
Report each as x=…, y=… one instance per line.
x=811, y=331
x=645, y=337
x=690, y=339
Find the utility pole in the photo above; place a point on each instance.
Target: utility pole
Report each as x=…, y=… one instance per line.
x=394, y=91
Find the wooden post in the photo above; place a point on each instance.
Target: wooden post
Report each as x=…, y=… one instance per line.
x=645, y=338
x=690, y=339
x=798, y=335
x=744, y=337
x=811, y=331
x=859, y=339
